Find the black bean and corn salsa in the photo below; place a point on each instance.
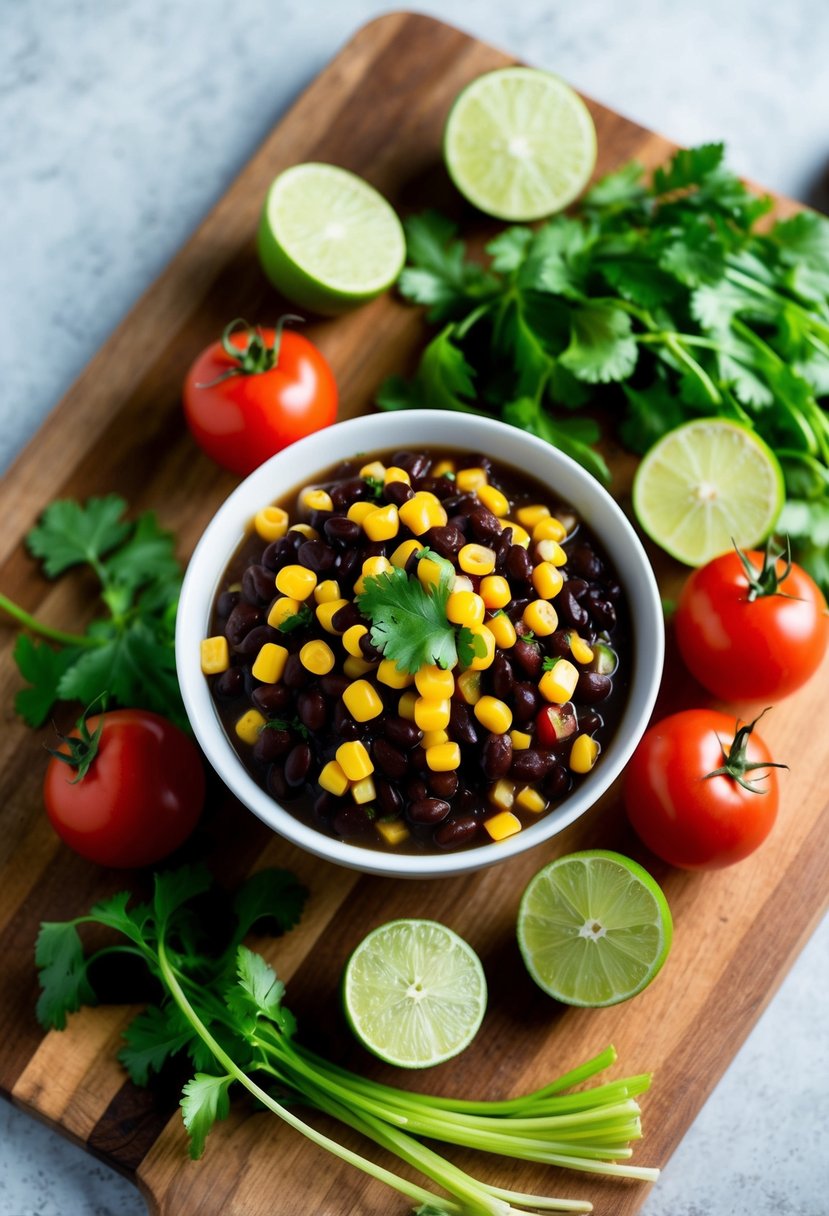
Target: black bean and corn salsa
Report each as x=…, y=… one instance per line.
x=422, y=651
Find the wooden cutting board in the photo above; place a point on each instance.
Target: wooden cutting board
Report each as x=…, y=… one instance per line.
x=378, y=109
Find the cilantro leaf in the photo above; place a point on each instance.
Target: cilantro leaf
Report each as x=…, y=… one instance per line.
x=63, y=974
x=272, y=895
x=602, y=346
x=152, y=1038
x=258, y=994
x=147, y=556
x=438, y=275
x=409, y=622
x=44, y=668
x=174, y=888
x=204, y=1100
x=297, y=620
x=651, y=413
x=68, y=534
x=620, y=188
x=470, y=646
x=573, y=436
x=443, y=380
x=509, y=249
x=688, y=167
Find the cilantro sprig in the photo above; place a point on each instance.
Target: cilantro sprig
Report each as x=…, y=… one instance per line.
x=659, y=300
x=125, y=655
x=222, y=1006
x=408, y=619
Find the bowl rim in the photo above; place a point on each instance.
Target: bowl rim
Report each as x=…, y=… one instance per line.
x=297, y=465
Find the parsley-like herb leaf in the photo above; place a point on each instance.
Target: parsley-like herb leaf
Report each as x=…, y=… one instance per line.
x=408, y=620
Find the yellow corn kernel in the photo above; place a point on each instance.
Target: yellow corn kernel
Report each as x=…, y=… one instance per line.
x=520, y=536
x=495, y=591
x=376, y=565
x=281, y=609
x=502, y=794
x=431, y=713
x=551, y=551
x=327, y=590
x=326, y=613
x=333, y=779
x=503, y=825
x=493, y=715
x=532, y=514
x=541, y=617
x=389, y=673
x=462, y=582
x=215, y=655
x=296, y=581
x=584, y=753
x=403, y=552
x=480, y=663
x=354, y=667
x=496, y=502
x=431, y=738
x=363, y=791
x=547, y=580
x=579, y=649
x=396, y=474
x=406, y=704
x=305, y=530
x=529, y=799
x=468, y=480
x=316, y=500
x=559, y=683
x=351, y=640
x=476, y=559
x=354, y=760
x=422, y=512
x=502, y=629
x=317, y=657
x=520, y=740
x=393, y=831
x=469, y=686
x=549, y=529
x=270, y=523
x=443, y=467
x=430, y=571
x=382, y=523
x=269, y=664
x=359, y=510
x=433, y=681
x=375, y=469
x=443, y=757
x=362, y=701
x=249, y=725
x=465, y=608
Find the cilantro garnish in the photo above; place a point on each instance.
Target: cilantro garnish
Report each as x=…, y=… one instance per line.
x=293, y=724
x=550, y=662
x=375, y=485
x=126, y=654
x=297, y=620
x=663, y=288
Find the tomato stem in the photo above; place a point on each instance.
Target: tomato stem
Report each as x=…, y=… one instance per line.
x=736, y=763
x=82, y=751
x=255, y=357
x=766, y=580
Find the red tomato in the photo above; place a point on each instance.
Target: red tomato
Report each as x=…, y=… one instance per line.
x=140, y=797
x=685, y=815
x=256, y=391
x=743, y=642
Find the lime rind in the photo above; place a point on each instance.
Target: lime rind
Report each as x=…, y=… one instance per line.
x=593, y=928
x=706, y=485
x=519, y=144
x=414, y=993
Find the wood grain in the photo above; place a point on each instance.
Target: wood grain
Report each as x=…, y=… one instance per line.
x=378, y=109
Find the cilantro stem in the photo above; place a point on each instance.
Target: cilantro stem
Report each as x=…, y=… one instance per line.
x=674, y=344
x=748, y=281
x=46, y=631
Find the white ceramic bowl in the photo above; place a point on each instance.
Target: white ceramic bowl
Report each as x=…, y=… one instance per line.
x=416, y=429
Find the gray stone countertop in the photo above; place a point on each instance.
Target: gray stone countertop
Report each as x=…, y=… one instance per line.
x=123, y=121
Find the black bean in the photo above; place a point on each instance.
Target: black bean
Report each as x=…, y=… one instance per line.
x=461, y=724
x=416, y=789
x=312, y=709
x=467, y=802
x=370, y=652
x=347, y=567
x=557, y=782
x=558, y=644
x=439, y=486
x=577, y=587
x=298, y=764
x=446, y=541
x=496, y=756
x=570, y=611
x=295, y=675
x=613, y=591
x=401, y=732
x=342, y=531
x=271, y=698
x=276, y=783
x=253, y=642
x=590, y=720
x=280, y=552
x=592, y=687
x=428, y=810
x=530, y=765
x=501, y=676
x=389, y=759
x=515, y=612
x=258, y=585
x=346, y=616
x=525, y=702
x=478, y=460
x=226, y=602
x=502, y=547
x=343, y=725
x=229, y=684
x=389, y=798
x=416, y=465
x=455, y=832
x=417, y=759
x=528, y=657
x=271, y=743
x=581, y=560
x=443, y=785
x=242, y=619
x=334, y=685
x=316, y=555
x=518, y=564
x=398, y=492
x=326, y=806
x=352, y=820
x=484, y=524
x=461, y=522
x=600, y=608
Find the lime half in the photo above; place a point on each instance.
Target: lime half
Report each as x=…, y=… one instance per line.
x=519, y=144
x=327, y=240
x=414, y=993
x=594, y=928
x=706, y=485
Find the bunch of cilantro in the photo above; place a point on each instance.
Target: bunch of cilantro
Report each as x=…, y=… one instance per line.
x=124, y=656
x=658, y=302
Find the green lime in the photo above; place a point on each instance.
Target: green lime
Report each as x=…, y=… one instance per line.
x=414, y=993
x=327, y=240
x=594, y=928
x=705, y=486
x=519, y=143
